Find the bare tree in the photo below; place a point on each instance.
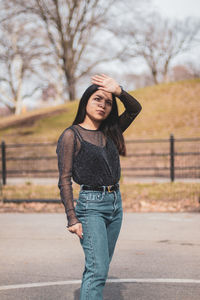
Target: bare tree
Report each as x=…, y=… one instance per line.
x=71, y=26
x=158, y=41
x=21, y=57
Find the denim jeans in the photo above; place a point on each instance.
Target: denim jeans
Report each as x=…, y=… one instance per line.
x=100, y=213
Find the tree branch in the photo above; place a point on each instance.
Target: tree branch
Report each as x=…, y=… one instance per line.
x=32, y=93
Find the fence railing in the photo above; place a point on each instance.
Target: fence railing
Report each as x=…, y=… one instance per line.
x=165, y=158
x=169, y=158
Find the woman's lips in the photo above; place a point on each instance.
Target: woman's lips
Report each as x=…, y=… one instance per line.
x=101, y=112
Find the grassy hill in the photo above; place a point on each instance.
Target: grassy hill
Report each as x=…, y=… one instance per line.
x=167, y=108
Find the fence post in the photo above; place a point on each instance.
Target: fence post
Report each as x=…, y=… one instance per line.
x=3, y=158
x=171, y=157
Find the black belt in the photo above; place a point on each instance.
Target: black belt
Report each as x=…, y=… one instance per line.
x=108, y=188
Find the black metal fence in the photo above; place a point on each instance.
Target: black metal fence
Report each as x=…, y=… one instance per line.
x=162, y=158
x=172, y=158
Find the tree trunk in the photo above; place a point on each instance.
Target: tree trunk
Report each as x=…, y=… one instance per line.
x=165, y=72
x=71, y=85
x=154, y=74
x=18, y=106
x=72, y=90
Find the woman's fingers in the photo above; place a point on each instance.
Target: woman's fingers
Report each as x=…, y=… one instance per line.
x=102, y=88
x=97, y=77
x=80, y=232
x=106, y=83
x=102, y=76
x=77, y=228
x=97, y=81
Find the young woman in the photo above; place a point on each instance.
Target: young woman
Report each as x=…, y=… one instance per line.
x=88, y=151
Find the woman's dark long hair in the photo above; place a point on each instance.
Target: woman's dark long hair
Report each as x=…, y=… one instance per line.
x=110, y=126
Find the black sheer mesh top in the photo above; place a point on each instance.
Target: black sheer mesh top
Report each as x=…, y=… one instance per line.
x=83, y=152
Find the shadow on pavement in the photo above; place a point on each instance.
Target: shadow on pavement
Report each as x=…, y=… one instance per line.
x=112, y=291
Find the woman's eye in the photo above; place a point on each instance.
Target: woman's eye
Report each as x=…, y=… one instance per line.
x=99, y=99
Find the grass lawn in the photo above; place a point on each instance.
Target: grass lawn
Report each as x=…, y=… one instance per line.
x=136, y=197
x=166, y=108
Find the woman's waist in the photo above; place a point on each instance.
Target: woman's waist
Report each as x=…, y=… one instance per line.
x=100, y=188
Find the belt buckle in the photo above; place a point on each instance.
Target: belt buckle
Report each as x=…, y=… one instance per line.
x=109, y=188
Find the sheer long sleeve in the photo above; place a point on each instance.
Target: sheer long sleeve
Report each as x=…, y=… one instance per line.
x=65, y=151
x=132, y=109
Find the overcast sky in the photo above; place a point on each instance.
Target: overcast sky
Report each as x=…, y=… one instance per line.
x=175, y=9
x=178, y=8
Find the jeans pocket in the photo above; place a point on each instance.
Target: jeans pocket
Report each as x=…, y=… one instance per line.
x=90, y=196
x=80, y=208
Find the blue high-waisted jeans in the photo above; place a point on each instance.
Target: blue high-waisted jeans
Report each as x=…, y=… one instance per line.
x=100, y=213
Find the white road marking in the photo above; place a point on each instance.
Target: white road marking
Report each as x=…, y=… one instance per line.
x=127, y=280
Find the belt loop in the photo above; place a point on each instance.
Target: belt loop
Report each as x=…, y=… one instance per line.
x=103, y=193
x=115, y=200
x=104, y=190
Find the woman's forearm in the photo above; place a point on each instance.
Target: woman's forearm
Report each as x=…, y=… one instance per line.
x=132, y=109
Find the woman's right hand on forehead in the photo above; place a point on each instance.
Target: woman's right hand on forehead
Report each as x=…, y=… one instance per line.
x=107, y=84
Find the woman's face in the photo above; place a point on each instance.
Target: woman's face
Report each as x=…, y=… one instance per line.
x=99, y=105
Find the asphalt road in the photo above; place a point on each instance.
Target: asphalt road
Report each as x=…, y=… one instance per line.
x=157, y=258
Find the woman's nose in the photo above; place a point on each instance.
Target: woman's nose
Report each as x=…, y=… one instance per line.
x=102, y=104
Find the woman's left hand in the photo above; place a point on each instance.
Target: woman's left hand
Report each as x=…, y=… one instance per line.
x=107, y=84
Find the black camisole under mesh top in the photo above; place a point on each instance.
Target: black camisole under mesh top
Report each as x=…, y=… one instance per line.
x=83, y=152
